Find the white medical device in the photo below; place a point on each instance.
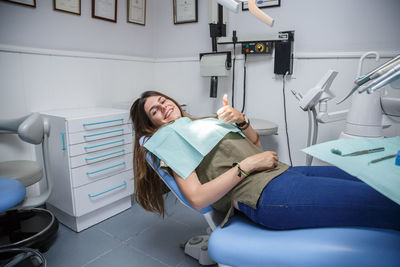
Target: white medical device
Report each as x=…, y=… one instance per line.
x=215, y=64
x=358, y=124
x=319, y=94
x=365, y=117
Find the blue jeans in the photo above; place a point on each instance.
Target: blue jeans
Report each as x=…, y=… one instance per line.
x=321, y=196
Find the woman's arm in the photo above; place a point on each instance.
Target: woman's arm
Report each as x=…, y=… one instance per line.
x=201, y=195
x=230, y=115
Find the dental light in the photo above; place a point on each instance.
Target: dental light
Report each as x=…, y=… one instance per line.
x=233, y=5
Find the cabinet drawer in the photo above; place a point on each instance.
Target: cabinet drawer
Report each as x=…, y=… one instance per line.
x=101, y=193
x=88, y=147
x=98, y=122
x=101, y=155
x=87, y=136
x=99, y=170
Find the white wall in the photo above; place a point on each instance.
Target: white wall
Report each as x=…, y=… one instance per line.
x=43, y=27
x=50, y=59
x=320, y=25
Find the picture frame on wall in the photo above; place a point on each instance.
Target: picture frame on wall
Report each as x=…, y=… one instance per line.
x=30, y=3
x=137, y=12
x=185, y=11
x=263, y=4
x=105, y=10
x=68, y=6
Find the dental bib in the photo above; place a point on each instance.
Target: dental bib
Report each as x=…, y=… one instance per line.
x=183, y=144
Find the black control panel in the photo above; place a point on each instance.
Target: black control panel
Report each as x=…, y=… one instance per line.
x=260, y=47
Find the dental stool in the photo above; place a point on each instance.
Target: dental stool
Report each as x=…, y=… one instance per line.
x=12, y=192
x=243, y=243
x=23, y=224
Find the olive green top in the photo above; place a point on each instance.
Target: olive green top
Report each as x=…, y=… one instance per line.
x=234, y=148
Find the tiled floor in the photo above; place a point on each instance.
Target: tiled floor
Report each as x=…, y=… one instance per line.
x=134, y=237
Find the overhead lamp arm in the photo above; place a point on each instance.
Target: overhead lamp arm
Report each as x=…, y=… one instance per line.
x=233, y=5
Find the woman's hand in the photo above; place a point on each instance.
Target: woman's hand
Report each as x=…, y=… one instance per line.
x=228, y=114
x=260, y=162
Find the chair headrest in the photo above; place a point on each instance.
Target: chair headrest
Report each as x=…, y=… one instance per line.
x=29, y=128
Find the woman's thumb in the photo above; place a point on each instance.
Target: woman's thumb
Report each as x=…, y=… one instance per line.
x=225, y=100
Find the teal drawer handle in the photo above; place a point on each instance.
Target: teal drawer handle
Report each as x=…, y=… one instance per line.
x=96, y=195
x=63, y=140
x=101, y=122
x=102, y=156
x=90, y=135
x=109, y=143
x=123, y=163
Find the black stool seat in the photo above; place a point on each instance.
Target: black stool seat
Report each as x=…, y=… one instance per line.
x=34, y=228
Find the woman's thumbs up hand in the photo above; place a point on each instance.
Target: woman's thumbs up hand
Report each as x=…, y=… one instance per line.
x=225, y=100
x=228, y=114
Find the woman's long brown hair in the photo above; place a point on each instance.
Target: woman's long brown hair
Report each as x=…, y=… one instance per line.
x=149, y=188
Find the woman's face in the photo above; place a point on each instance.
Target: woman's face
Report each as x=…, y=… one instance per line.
x=161, y=110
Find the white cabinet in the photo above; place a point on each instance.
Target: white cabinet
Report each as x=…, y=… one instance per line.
x=90, y=163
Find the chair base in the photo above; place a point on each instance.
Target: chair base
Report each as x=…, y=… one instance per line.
x=34, y=228
x=197, y=247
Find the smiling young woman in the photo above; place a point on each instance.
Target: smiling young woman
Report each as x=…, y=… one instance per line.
x=237, y=174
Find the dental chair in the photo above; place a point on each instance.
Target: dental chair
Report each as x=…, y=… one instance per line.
x=23, y=225
x=243, y=243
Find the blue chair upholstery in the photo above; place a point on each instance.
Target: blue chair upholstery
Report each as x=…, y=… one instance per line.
x=12, y=192
x=244, y=243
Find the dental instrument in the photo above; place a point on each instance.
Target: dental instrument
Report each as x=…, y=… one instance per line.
x=395, y=76
x=382, y=158
x=357, y=153
x=389, y=73
x=377, y=72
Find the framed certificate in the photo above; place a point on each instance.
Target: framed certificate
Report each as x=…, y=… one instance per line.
x=31, y=3
x=137, y=11
x=105, y=9
x=69, y=6
x=263, y=4
x=185, y=11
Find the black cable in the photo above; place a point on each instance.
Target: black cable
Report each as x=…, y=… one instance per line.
x=284, y=110
x=244, y=82
x=22, y=254
x=233, y=74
